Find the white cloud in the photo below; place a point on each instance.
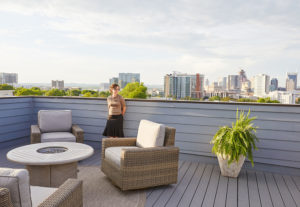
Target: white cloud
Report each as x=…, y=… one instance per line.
x=215, y=36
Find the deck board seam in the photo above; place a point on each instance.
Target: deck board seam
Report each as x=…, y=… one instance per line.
x=197, y=185
x=207, y=187
x=278, y=189
x=189, y=183
x=268, y=188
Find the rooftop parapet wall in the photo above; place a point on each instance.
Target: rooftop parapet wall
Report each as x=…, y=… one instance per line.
x=195, y=122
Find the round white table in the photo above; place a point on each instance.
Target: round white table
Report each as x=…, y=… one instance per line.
x=50, y=164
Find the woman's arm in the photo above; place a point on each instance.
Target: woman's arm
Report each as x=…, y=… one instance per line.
x=124, y=110
x=123, y=106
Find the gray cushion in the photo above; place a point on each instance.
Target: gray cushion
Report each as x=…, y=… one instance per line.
x=39, y=194
x=113, y=154
x=58, y=137
x=55, y=120
x=17, y=181
x=150, y=134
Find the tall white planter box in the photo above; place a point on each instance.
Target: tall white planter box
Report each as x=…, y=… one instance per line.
x=233, y=169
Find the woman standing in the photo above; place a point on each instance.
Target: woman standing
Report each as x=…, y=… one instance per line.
x=116, y=110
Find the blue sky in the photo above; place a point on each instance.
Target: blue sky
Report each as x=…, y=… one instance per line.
x=89, y=41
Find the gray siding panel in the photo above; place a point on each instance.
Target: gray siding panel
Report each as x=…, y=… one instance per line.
x=15, y=118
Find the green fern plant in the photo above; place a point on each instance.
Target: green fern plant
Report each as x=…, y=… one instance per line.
x=236, y=140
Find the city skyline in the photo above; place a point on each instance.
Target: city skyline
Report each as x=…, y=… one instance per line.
x=90, y=41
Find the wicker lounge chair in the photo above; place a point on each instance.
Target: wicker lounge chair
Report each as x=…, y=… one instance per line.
x=141, y=167
x=55, y=126
x=15, y=191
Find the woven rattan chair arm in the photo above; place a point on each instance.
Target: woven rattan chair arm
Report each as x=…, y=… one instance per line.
x=35, y=134
x=149, y=156
x=69, y=194
x=78, y=133
x=115, y=142
x=5, y=199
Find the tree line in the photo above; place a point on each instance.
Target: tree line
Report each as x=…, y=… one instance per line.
x=131, y=90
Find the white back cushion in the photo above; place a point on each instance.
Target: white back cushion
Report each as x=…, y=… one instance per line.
x=150, y=134
x=17, y=181
x=55, y=120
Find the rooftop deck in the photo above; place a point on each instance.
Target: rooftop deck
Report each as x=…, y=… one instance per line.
x=274, y=181
x=201, y=184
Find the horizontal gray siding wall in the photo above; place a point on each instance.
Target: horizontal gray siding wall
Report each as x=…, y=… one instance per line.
x=195, y=123
x=15, y=118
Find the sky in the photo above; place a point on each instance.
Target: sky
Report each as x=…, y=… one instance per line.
x=90, y=41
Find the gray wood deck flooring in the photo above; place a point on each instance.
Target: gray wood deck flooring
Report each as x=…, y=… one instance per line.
x=202, y=185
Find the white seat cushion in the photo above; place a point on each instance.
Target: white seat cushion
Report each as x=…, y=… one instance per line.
x=150, y=134
x=113, y=154
x=55, y=120
x=39, y=194
x=17, y=181
x=58, y=137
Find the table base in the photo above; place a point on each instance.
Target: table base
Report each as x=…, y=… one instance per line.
x=51, y=175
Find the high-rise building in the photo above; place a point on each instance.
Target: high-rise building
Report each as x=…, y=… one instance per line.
x=261, y=85
x=183, y=85
x=243, y=77
x=197, y=85
x=125, y=78
x=58, y=84
x=291, y=81
x=233, y=82
x=113, y=80
x=8, y=78
x=274, y=84
x=222, y=83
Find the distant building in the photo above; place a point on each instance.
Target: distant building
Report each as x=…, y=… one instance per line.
x=261, y=85
x=291, y=81
x=113, y=80
x=104, y=86
x=233, y=82
x=224, y=83
x=285, y=97
x=246, y=86
x=6, y=93
x=214, y=87
x=8, y=78
x=183, y=85
x=242, y=76
x=274, y=84
x=58, y=84
x=125, y=78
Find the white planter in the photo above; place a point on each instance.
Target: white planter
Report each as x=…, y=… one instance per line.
x=231, y=170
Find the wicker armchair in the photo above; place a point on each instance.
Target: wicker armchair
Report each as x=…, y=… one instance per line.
x=69, y=194
x=55, y=125
x=142, y=167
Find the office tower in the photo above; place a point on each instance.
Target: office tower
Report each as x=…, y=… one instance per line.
x=8, y=78
x=197, y=85
x=222, y=83
x=58, y=84
x=113, y=80
x=125, y=78
x=274, y=84
x=291, y=81
x=183, y=85
x=233, y=82
x=261, y=85
x=243, y=77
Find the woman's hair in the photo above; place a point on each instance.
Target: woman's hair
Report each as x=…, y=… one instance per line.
x=113, y=86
